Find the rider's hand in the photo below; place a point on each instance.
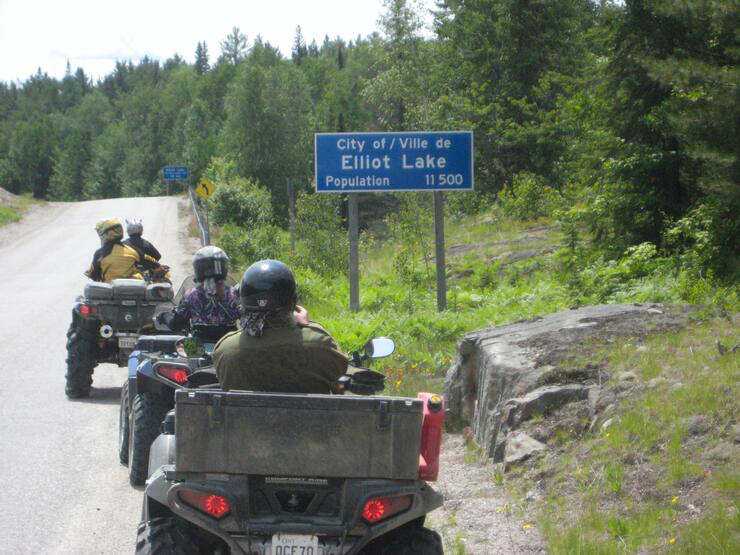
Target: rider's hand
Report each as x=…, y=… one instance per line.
x=301, y=315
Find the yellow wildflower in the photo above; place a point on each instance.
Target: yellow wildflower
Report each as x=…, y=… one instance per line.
x=675, y=500
x=672, y=541
x=527, y=526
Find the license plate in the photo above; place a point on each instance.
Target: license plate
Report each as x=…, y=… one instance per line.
x=126, y=342
x=294, y=544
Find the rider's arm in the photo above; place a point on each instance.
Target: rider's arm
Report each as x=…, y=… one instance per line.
x=95, y=272
x=151, y=250
x=147, y=261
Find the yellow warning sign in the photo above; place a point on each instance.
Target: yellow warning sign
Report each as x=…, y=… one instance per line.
x=205, y=188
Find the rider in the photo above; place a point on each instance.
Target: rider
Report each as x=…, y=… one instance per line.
x=115, y=259
x=277, y=349
x=211, y=302
x=134, y=229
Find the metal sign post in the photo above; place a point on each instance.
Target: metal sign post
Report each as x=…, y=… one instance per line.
x=439, y=245
x=354, y=258
x=431, y=161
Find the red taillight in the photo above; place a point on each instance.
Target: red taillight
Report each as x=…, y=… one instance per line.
x=210, y=503
x=375, y=509
x=177, y=375
x=383, y=507
x=84, y=310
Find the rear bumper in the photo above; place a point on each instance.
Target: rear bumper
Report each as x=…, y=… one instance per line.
x=343, y=533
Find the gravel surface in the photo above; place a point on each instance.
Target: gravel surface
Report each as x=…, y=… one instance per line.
x=478, y=518
x=64, y=491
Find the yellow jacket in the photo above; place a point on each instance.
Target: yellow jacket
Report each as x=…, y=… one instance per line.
x=116, y=260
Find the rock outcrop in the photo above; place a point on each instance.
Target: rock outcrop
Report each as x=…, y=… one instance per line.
x=507, y=375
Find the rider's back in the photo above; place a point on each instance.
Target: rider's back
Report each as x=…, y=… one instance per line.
x=116, y=261
x=287, y=359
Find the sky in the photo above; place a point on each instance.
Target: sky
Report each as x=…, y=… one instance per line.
x=94, y=34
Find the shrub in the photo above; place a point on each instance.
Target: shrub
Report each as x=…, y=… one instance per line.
x=240, y=201
x=321, y=240
x=246, y=246
x=528, y=197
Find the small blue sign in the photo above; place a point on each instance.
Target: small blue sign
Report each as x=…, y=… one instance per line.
x=175, y=173
x=414, y=161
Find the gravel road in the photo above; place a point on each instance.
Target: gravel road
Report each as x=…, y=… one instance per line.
x=63, y=490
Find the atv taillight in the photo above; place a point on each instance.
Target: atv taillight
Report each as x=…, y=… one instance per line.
x=175, y=374
x=86, y=310
x=381, y=508
x=210, y=503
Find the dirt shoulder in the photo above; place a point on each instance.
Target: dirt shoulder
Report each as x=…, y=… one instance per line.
x=478, y=517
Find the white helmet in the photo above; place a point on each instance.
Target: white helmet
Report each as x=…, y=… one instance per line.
x=134, y=227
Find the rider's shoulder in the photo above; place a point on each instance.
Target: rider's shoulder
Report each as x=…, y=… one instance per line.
x=314, y=329
x=227, y=338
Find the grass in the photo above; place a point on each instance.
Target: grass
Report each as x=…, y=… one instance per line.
x=12, y=212
x=637, y=478
x=8, y=215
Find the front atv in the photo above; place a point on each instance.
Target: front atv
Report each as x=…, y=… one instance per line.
x=265, y=473
x=258, y=473
x=106, y=323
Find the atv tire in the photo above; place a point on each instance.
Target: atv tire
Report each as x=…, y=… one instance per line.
x=123, y=425
x=413, y=540
x=166, y=536
x=81, y=349
x=149, y=409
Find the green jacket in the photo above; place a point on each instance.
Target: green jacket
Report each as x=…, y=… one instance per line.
x=287, y=359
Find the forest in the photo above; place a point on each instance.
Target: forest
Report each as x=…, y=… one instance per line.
x=620, y=120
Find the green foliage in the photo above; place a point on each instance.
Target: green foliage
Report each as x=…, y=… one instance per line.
x=240, y=201
x=266, y=132
x=413, y=227
x=246, y=246
x=8, y=215
x=529, y=197
x=650, y=427
x=321, y=242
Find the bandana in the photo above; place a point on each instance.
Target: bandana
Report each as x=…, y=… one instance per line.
x=253, y=322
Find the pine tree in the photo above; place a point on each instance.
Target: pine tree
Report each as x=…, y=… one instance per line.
x=300, y=51
x=201, y=58
x=234, y=47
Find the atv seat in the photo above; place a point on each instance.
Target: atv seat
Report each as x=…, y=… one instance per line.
x=129, y=289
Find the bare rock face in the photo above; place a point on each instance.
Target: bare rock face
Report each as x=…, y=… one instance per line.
x=519, y=446
x=505, y=375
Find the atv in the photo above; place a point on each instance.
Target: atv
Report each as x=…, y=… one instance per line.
x=107, y=320
x=147, y=395
x=286, y=474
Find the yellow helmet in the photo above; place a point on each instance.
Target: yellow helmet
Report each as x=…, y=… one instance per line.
x=109, y=230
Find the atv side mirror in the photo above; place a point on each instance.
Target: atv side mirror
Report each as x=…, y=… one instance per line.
x=379, y=347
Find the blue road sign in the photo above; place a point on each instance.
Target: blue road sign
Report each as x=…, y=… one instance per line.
x=175, y=173
x=415, y=161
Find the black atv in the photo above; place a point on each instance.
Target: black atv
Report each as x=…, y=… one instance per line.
x=148, y=394
x=286, y=474
x=107, y=321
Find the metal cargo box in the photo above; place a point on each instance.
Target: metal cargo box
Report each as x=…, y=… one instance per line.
x=298, y=435
x=129, y=289
x=99, y=291
x=159, y=292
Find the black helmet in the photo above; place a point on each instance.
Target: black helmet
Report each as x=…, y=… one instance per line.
x=267, y=286
x=210, y=262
